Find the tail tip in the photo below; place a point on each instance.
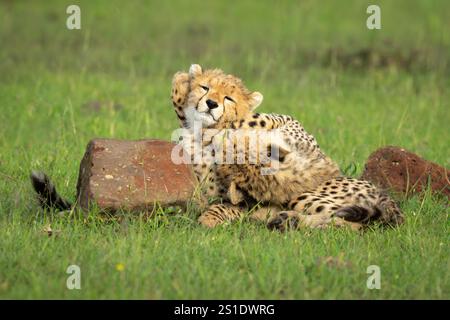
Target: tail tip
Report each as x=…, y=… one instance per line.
x=39, y=180
x=46, y=192
x=37, y=175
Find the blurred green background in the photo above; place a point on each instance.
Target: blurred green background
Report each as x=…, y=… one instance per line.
x=354, y=88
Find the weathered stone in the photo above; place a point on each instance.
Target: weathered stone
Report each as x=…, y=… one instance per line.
x=132, y=175
x=404, y=172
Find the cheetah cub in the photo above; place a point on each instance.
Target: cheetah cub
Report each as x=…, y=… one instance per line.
x=306, y=190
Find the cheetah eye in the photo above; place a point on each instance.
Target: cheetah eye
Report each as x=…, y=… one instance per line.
x=229, y=99
x=204, y=88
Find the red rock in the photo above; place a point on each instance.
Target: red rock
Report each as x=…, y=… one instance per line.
x=404, y=172
x=132, y=175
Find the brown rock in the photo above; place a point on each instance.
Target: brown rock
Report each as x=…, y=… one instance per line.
x=404, y=172
x=132, y=175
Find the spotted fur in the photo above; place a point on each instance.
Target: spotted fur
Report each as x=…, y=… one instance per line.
x=307, y=184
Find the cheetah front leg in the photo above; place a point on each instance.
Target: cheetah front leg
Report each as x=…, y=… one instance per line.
x=218, y=214
x=259, y=212
x=264, y=213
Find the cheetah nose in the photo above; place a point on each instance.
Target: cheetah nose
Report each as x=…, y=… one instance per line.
x=211, y=104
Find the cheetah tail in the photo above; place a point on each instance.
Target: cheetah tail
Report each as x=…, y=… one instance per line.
x=385, y=211
x=46, y=192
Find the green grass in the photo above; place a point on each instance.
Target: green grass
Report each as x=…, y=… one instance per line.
x=123, y=59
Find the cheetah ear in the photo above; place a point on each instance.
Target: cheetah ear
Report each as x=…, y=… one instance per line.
x=255, y=100
x=195, y=70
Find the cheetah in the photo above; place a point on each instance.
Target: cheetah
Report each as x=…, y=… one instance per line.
x=308, y=189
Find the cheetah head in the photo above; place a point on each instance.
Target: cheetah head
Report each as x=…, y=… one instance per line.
x=216, y=98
